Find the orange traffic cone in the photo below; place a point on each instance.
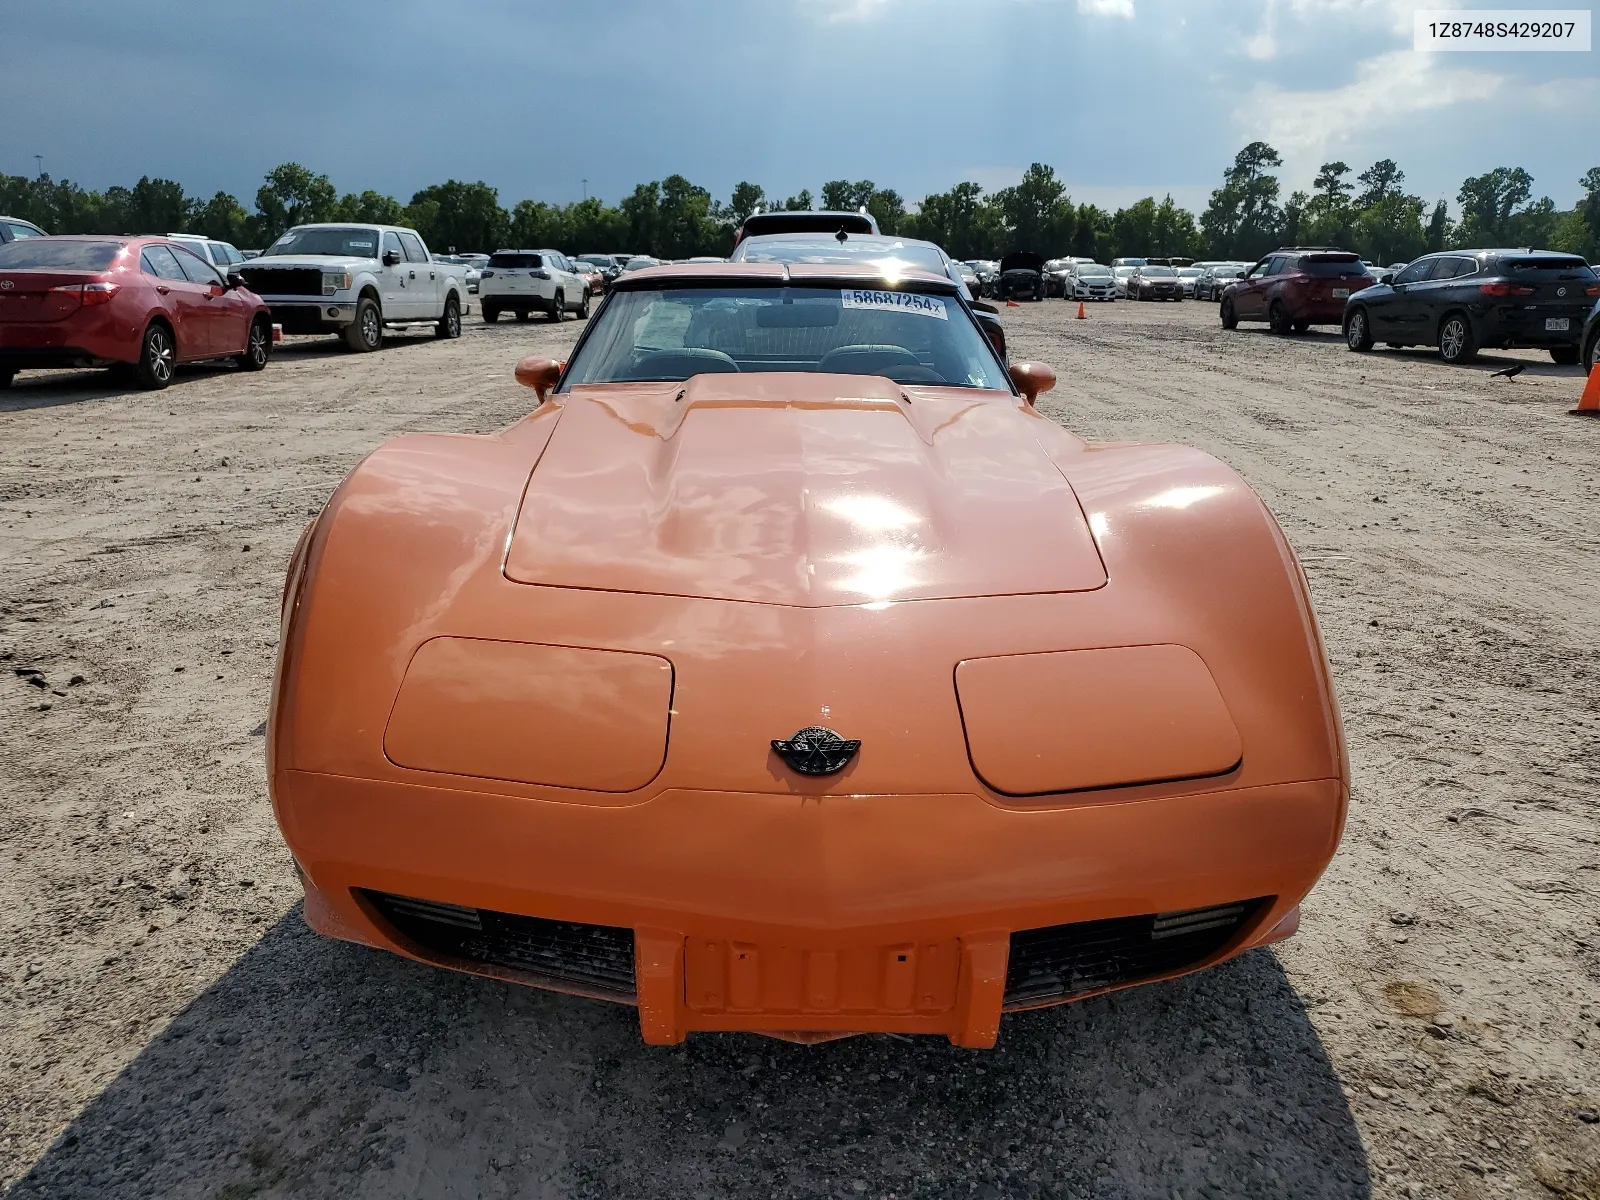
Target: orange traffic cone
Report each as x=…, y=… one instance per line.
x=1082, y=316
x=1012, y=304
x=1589, y=403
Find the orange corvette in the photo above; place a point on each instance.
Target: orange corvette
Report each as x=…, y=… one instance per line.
x=785, y=671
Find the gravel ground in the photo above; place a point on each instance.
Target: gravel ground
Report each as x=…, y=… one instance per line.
x=169, y=1028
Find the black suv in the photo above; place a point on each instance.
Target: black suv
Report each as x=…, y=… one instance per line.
x=1463, y=301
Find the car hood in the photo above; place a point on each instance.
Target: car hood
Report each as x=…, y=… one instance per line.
x=809, y=490
x=1022, y=260
x=322, y=262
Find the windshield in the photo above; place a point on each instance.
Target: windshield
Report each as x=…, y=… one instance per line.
x=1093, y=270
x=599, y=260
x=638, y=264
x=1548, y=266
x=345, y=243
x=670, y=334
x=1151, y=272
x=1189, y=272
x=512, y=261
x=48, y=254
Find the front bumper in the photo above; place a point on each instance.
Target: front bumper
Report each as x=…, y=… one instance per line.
x=311, y=314
x=788, y=915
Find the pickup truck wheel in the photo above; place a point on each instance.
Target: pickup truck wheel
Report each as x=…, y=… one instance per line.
x=1230, y=318
x=365, y=333
x=257, y=347
x=449, y=325
x=558, y=308
x=157, y=358
x=1278, y=317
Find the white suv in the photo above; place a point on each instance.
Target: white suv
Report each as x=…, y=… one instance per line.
x=221, y=255
x=528, y=281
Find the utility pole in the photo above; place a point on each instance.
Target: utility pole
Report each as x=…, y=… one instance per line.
x=585, y=189
x=39, y=158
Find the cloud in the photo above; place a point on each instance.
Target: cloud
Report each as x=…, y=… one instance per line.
x=1106, y=8
x=1388, y=90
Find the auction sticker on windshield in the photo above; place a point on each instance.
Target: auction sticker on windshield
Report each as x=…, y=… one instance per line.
x=908, y=302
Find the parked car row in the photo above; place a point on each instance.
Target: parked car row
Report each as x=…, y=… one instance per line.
x=1460, y=301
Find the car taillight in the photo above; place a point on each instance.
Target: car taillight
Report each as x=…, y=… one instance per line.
x=88, y=293
x=1504, y=289
x=1592, y=290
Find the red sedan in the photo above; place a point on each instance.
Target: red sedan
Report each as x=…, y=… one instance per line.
x=144, y=304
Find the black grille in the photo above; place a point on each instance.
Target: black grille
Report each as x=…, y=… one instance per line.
x=595, y=959
x=1063, y=961
x=282, y=281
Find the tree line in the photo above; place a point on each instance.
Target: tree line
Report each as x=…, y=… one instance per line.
x=1369, y=212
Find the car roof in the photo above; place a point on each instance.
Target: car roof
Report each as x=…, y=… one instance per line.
x=777, y=274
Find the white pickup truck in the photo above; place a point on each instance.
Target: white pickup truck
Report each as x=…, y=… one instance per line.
x=357, y=280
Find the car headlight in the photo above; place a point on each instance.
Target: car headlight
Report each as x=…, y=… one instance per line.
x=335, y=281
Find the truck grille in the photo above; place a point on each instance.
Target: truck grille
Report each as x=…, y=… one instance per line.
x=596, y=960
x=1063, y=961
x=283, y=281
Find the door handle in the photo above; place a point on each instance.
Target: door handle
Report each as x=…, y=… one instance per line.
x=413, y=274
x=163, y=289
x=431, y=275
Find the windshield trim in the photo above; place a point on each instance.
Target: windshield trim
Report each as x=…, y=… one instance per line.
x=377, y=241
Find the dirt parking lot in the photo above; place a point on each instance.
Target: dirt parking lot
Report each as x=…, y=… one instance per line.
x=169, y=1028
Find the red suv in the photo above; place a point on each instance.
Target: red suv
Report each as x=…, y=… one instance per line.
x=143, y=303
x=1296, y=288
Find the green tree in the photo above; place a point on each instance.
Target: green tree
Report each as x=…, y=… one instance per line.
x=1242, y=218
x=1329, y=185
x=1037, y=212
x=1488, y=202
x=888, y=209
x=840, y=195
x=461, y=216
x=222, y=217
x=960, y=220
x=1091, y=224
x=368, y=206
x=1438, y=235
x=1391, y=230
x=685, y=225
x=1382, y=180
x=1133, y=229
x=535, y=225
x=641, y=210
x=800, y=203
x=746, y=198
x=292, y=195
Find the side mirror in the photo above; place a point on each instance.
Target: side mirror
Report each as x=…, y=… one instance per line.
x=390, y=258
x=1031, y=379
x=235, y=280
x=540, y=374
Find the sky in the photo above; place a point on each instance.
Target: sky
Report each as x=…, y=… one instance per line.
x=550, y=99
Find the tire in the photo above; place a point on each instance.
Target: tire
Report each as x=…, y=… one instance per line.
x=1278, y=317
x=1591, y=352
x=1395, y=345
x=1230, y=318
x=1564, y=356
x=1301, y=326
x=1358, y=330
x=1456, y=341
x=583, y=308
x=491, y=315
x=523, y=314
x=558, y=308
x=449, y=325
x=158, y=358
x=257, y=347
x=5, y=379
x=365, y=333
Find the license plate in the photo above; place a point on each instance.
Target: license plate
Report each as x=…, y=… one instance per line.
x=1556, y=324
x=1341, y=293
